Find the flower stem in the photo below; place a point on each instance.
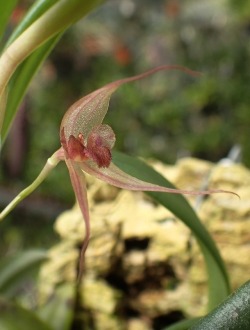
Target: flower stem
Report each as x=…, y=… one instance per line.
x=50, y=164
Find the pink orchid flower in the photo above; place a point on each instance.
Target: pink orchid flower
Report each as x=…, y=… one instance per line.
x=87, y=145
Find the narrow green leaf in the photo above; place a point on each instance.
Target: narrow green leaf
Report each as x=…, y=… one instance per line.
x=232, y=314
x=57, y=19
x=21, y=79
x=25, y=72
x=35, y=11
x=15, y=268
x=15, y=317
x=6, y=8
x=218, y=283
x=59, y=311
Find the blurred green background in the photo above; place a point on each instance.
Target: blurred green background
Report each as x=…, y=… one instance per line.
x=166, y=116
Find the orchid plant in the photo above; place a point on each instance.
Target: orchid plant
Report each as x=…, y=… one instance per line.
x=86, y=147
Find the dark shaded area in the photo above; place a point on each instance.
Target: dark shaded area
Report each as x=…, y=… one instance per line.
x=162, y=321
x=153, y=279
x=136, y=244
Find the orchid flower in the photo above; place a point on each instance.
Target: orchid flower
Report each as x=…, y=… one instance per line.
x=86, y=146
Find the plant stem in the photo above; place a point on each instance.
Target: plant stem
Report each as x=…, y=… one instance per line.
x=50, y=164
x=3, y=102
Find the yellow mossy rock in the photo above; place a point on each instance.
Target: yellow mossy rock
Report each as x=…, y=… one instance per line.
x=142, y=263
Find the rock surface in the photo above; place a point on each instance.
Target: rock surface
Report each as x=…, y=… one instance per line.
x=143, y=266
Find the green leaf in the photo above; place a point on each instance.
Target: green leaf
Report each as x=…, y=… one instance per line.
x=6, y=8
x=232, y=314
x=66, y=6
x=21, y=79
x=35, y=11
x=59, y=311
x=218, y=283
x=15, y=317
x=57, y=19
x=15, y=268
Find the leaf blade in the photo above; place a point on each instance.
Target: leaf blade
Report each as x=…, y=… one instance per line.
x=218, y=282
x=35, y=11
x=21, y=79
x=14, y=269
x=12, y=316
x=58, y=312
x=56, y=19
x=6, y=8
x=232, y=314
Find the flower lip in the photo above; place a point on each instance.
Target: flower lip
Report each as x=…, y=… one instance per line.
x=74, y=148
x=97, y=147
